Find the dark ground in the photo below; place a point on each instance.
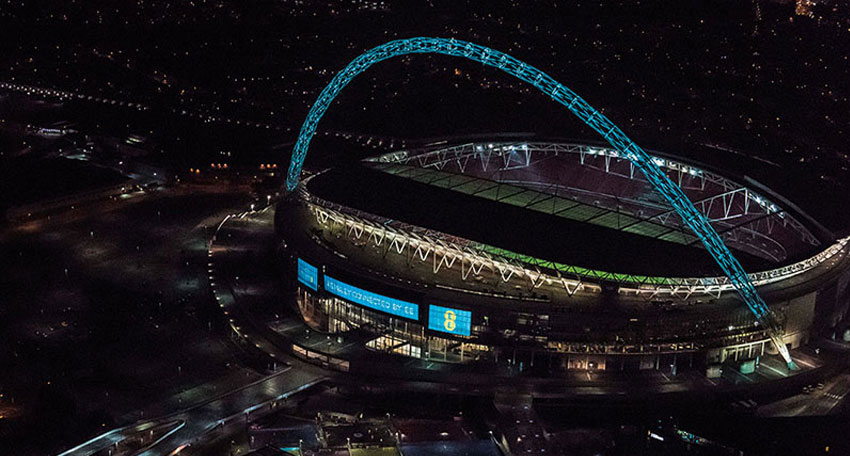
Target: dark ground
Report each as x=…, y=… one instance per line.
x=123, y=329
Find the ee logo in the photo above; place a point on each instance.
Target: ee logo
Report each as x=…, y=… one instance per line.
x=449, y=321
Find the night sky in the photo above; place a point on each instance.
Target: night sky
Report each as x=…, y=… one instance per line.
x=101, y=99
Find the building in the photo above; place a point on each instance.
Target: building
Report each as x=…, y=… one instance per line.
x=548, y=257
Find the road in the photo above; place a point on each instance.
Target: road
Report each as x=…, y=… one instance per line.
x=821, y=401
x=201, y=419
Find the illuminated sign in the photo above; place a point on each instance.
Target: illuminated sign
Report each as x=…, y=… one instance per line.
x=448, y=320
x=308, y=274
x=371, y=300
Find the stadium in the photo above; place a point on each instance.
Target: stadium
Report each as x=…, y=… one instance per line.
x=549, y=257
x=524, y=256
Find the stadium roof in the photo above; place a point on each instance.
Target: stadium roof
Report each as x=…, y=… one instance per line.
x=507, y=226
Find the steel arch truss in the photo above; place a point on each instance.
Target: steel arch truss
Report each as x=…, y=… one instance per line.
x=695, y=220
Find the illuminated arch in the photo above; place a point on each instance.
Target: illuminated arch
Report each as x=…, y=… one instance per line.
x=590, y=116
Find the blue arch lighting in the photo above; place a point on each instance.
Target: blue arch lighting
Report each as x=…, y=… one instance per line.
x=695, y=220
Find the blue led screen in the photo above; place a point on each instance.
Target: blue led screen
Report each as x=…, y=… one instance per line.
x=448, y=320
x=371, y=300
x=308, y=274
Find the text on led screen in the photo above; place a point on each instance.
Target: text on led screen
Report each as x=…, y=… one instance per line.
x=371, y=300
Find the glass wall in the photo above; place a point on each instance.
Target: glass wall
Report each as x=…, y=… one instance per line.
x=393, y=335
